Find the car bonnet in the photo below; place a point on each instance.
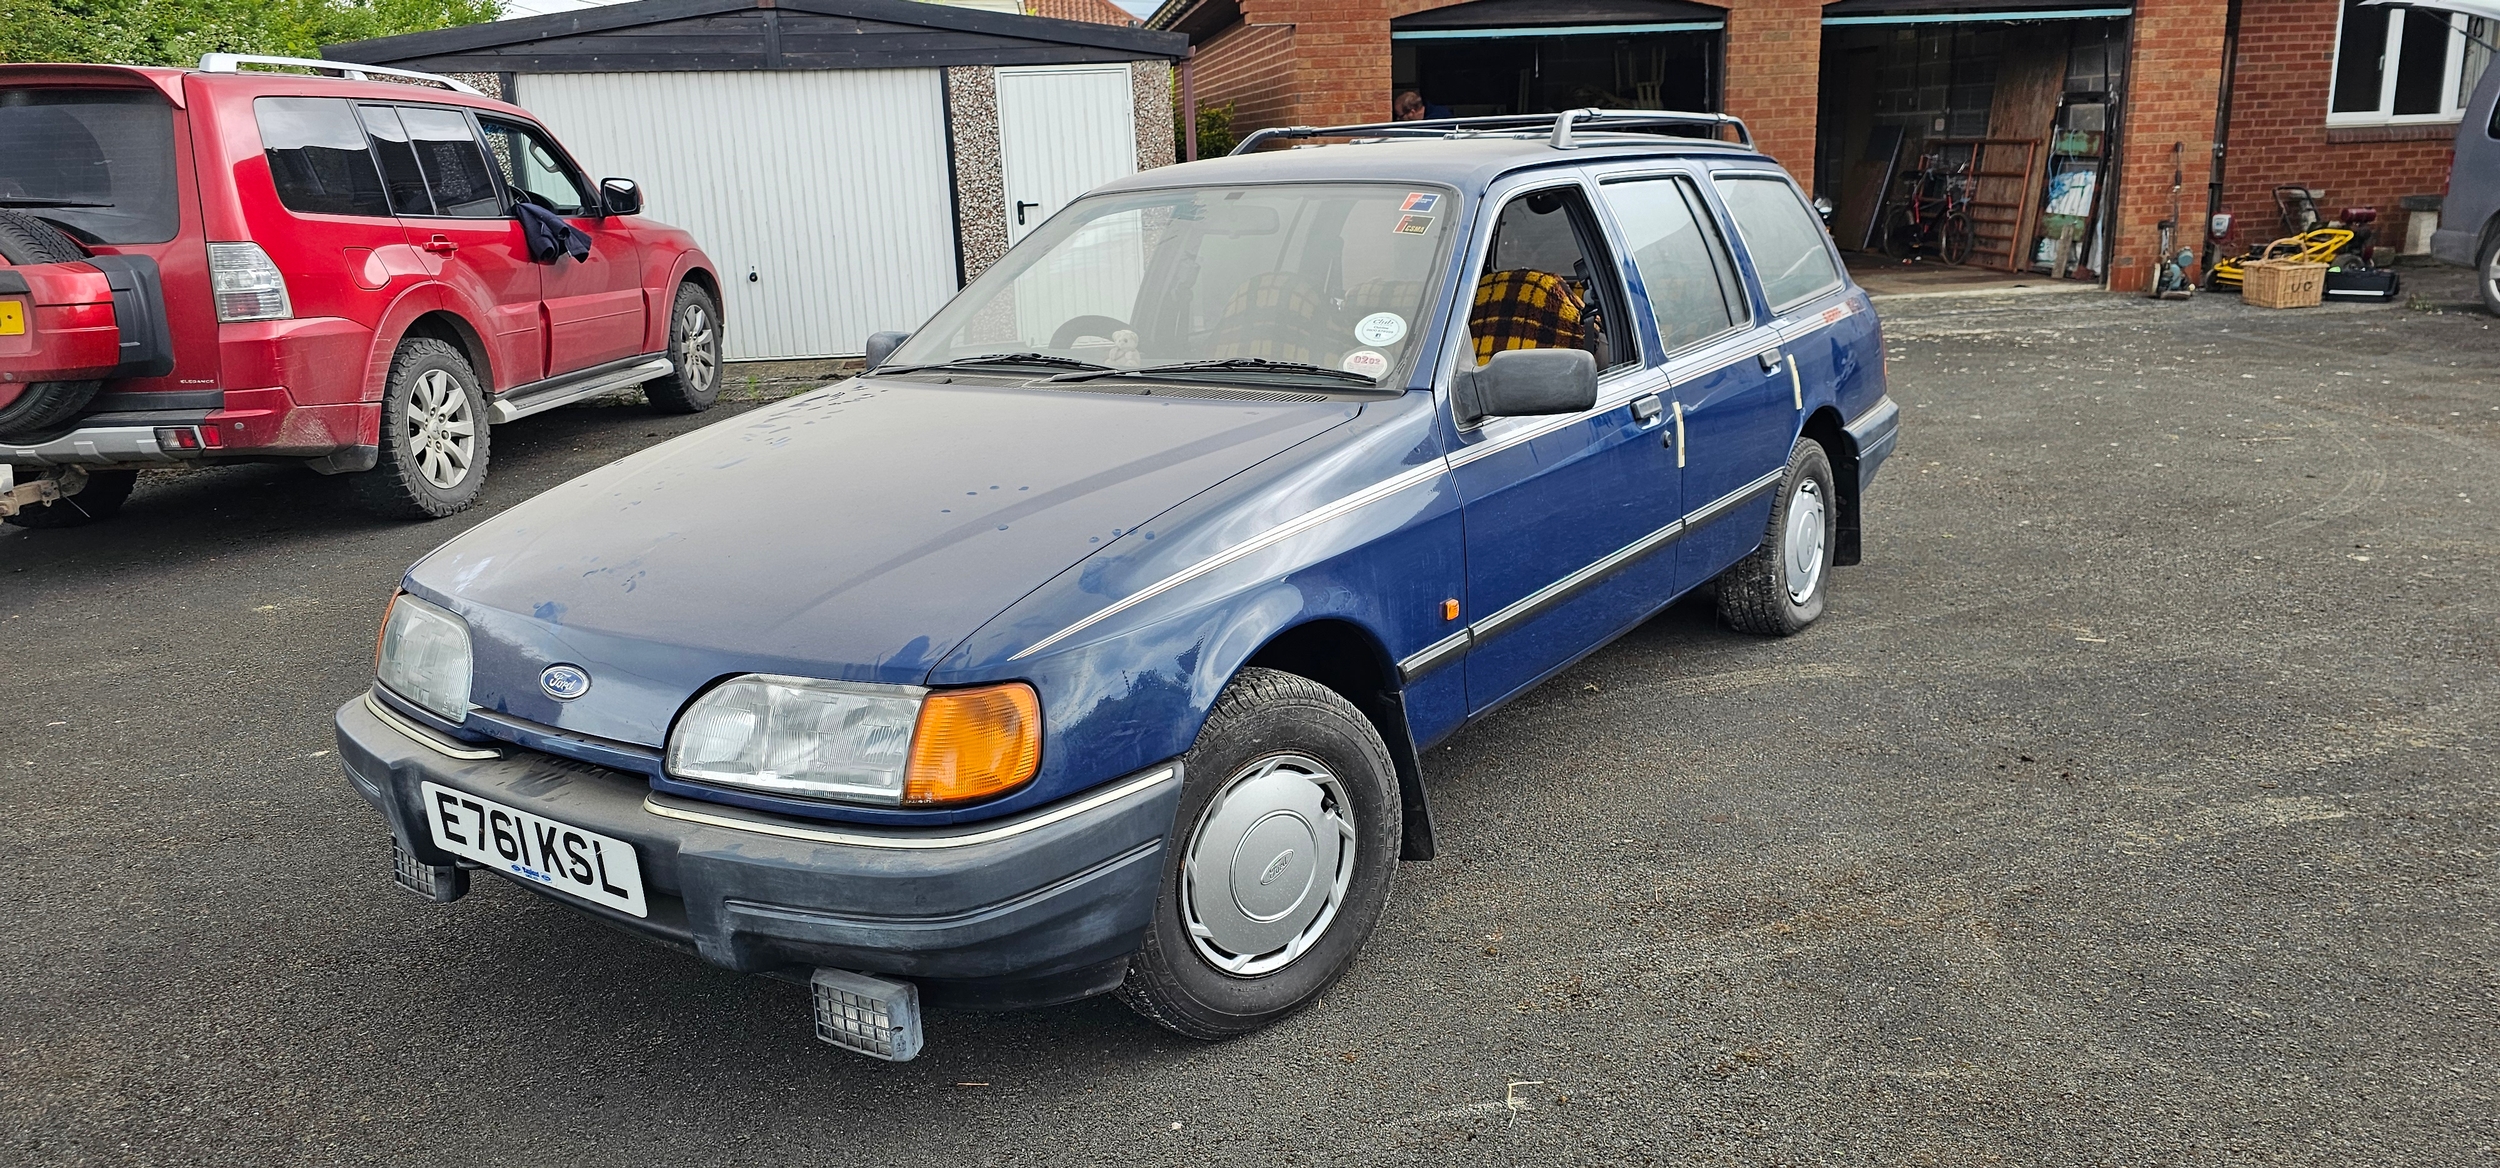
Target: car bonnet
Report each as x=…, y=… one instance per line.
x=855, y=532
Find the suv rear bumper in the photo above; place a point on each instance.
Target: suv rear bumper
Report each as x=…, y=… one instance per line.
x=1033, y=910
x=94, y=445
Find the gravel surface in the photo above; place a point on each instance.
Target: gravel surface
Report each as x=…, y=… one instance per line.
x=2133, y=804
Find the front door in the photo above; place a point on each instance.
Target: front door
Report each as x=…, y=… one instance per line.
x=448, y=199
x=595, y=306
x=1062, y=131
x=1565, y=516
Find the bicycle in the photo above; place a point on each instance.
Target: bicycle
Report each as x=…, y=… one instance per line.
x=1933, y=216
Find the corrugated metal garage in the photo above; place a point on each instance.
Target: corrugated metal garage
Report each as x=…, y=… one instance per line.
x=847, y=163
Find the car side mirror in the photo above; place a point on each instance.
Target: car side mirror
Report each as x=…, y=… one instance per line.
x=1523, y=382
x=882, y=346
x=619, y=196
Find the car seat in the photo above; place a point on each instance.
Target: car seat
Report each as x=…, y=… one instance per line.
x=1274, y=316
x=1521, y=308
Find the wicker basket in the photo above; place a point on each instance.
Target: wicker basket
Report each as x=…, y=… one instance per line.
x=2284, y=284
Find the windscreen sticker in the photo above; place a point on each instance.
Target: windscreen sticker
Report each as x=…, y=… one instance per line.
x=1367, y=363
x=1380, y=328
x=1414, y=224
x=1420, y=203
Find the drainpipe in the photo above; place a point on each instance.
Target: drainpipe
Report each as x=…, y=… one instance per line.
x=1189, y=101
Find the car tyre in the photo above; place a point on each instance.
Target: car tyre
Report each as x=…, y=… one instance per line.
x=26, y=240
x=434, y=442
x=1247, y=929
x=1778, y=590
x=693, y=383
x=99, y=500
x=2488, y=264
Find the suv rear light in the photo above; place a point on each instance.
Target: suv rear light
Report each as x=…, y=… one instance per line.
x=248, y=286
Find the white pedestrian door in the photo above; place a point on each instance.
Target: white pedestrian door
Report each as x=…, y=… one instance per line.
x=1062, y=131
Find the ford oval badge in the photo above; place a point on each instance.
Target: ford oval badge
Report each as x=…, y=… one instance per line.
x=564, y=682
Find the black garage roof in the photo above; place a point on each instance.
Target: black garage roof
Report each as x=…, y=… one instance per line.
x=725, y=35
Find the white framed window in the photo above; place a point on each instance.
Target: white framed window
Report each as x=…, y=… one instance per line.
x=2395, y=66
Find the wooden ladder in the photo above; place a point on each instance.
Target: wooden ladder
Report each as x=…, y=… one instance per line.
x=2004, y=198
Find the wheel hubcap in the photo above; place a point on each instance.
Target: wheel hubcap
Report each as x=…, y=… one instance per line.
x=441, y=430
x=1805, y=542
x=1268, y=865
x=696, y=361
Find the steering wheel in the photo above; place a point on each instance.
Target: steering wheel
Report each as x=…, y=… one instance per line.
x=1085, y=326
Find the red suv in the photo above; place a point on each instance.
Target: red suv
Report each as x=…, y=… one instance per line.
x=221, y=265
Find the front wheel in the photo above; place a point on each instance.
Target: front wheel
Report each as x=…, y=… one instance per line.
x=1778, y=590
x=693, y=381
x=1278, y=864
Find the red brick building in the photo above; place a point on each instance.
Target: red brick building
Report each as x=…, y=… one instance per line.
x=2107, y=100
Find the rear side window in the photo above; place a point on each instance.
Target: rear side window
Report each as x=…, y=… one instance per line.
x=403, y=183
x=318, y=157
x=97, y=162
x=1684, y=265
x=1781, y=235
x=455, y=168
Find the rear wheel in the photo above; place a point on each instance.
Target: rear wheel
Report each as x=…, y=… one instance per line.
x=1958, y=239
x=100, y=499
x=1778, y=590
x=693, y=383
x=26, y=240
x=2490, y=265
x=1278, y=864
x=434, y=436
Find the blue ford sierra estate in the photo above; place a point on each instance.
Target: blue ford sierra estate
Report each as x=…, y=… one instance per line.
x=1090, y=641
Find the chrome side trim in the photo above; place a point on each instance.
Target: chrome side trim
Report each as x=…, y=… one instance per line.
x=102, y=444
x=507, y=409
x=1734, y=499
x=1436, y=655
x=1571, y=585
x=425, y=739
x=1270, y=538
x=674, y=810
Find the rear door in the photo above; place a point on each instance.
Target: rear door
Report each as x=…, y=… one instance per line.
x=595, y=306
x=449, y=199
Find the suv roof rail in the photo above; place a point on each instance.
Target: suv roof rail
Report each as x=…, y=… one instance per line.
x=1560, y=125
x=234, y=62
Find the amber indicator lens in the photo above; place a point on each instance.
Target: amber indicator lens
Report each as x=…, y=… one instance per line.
x=974, y=744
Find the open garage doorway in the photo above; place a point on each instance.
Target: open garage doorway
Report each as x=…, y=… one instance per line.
x=2008, y=118
x=1539, y=56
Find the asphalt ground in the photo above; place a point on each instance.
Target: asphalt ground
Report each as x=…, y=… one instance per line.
x=2133, y=804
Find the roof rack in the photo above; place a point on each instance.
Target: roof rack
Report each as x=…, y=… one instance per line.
x=234, y=62
x=1560, y=125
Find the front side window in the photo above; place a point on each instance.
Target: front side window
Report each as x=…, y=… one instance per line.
x=1684, y=265
x=1547, y=283
x=1326, y=275
x=318, y=158
x=532, y=166
x=1787, y=246
x=97, y=162
x=456, y=171
x=2401, y=65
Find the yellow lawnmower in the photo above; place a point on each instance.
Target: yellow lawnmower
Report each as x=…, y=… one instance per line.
x=2322, y=246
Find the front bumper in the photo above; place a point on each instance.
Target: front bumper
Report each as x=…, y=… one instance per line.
x=1041, y=908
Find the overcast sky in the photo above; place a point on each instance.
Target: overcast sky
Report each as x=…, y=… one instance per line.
x=513, y=8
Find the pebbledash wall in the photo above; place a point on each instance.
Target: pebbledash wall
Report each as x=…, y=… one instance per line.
x=1318, y=62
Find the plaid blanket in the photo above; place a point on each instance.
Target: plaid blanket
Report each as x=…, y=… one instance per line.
x=1274, y=315
x=1521, y=308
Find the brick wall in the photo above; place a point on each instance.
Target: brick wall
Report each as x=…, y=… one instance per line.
x=1341, y=73
x=2174, y=85
x=1774, y=57
x=1251, y=66
x=2278, y=129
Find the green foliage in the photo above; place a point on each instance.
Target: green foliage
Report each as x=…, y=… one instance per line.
x=1215, y=129
x=176, y=32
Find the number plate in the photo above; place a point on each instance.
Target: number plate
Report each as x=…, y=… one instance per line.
x=598, y=868
x=12, y=318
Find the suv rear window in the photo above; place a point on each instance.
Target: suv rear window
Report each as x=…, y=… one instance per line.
x=318, y=157
x=1787, y=246
x=97, y=162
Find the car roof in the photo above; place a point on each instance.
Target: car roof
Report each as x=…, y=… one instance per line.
x=259, y=83
x=1469, y=163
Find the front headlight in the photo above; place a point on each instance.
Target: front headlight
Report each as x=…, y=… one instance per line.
x=887, y=744
x=424, y=657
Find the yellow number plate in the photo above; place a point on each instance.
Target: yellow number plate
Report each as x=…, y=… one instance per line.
x=12, y=318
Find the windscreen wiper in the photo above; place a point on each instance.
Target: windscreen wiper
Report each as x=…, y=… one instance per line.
x=30, y=201
x=1234, y=365
x=1044, y=360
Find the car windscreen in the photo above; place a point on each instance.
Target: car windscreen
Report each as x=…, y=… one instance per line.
x=99, y=162
x=1332, y=275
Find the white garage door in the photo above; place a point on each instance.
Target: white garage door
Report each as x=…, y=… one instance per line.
x=821, y=195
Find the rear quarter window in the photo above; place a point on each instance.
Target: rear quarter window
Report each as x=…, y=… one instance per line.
x=97, y=162
x=1787, y=247
x=318, y=157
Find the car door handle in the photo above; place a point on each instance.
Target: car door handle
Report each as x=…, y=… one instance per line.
x=1646, y=410
x=1020, y=206
x=441, y=245
x=1770, y=359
